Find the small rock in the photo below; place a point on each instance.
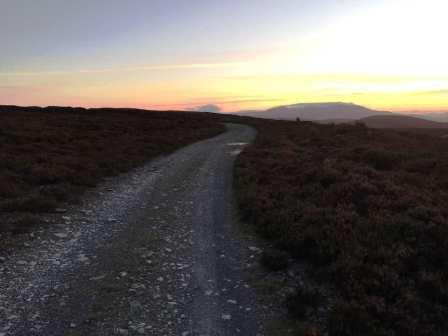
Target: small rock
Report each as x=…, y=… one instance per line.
x=82, y=257
x=137, y=286
x=226, y=317
x=136, y=307
x=123, y=331
x=254, y=249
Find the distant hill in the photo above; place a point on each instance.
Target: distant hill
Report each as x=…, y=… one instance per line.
x=434, y=116
x=400, y=121
x=335, y=121
x=315, y=111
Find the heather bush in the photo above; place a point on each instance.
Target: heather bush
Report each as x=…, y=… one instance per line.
x=274, y=259
x=49, y=156
x=368, y=208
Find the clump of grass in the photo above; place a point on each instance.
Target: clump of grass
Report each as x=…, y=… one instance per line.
x=274, y=259
x=32, y=204
x=9, y=188
x=303, y=302
x=22, y=223
x=294, y=328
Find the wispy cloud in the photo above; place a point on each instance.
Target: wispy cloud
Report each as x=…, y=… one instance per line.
x=125, y=69
x=251, y=100
x=218, y=101
x=337, y=77
x=206, y=108
x=433, y=92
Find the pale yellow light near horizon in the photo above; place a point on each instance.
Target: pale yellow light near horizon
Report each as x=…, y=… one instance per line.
x=389, y=55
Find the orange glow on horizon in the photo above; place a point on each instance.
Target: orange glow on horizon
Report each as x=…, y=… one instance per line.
x=399, y=65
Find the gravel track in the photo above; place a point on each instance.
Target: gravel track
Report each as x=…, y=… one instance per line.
x=157, y=251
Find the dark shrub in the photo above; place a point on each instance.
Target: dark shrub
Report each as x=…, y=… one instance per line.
x=32, y=204
x=50, y=155
x=367, y=208
x=351, y=319
x=381, y=159
x=303, y=302
x=23, y=223
x=275, y=260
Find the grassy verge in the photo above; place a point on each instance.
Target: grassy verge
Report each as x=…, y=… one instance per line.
x=50, y=156
x=368, y=208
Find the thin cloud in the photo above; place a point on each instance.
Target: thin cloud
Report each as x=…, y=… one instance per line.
x=207, y=108
x=254, y=100
x=434, y=92
x=217, y=101
x=126, y=69
x=6, y=87
x=335, y=77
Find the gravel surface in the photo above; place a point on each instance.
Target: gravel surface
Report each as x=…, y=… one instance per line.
x=157, y=251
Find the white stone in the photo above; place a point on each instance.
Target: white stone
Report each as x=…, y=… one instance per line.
x=226, y=317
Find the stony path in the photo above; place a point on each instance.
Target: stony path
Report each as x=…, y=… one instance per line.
x=153, y=252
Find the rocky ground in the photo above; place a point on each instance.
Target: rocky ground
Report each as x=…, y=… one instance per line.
x=158, y=251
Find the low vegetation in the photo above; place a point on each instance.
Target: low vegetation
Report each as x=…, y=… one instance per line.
x=367, y=208
x=50, y=156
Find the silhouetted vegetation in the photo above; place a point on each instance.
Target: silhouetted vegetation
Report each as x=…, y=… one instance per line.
x=49, y=156
x=274, y=259
x=368, y=208
x=303, y=302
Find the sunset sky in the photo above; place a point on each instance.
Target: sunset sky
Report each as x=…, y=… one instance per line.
x=237, y=54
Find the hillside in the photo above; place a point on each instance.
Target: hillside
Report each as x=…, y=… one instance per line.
x=367, y=208
x=433, y=116
x=401, y=121
x=316, y=111
x=49, y=156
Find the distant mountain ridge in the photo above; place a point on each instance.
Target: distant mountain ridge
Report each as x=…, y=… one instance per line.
x=434, y=116
x=316, y=111
x=401, y=121
x=338, y=113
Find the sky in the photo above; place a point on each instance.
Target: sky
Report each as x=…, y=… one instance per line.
x=233, y=54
